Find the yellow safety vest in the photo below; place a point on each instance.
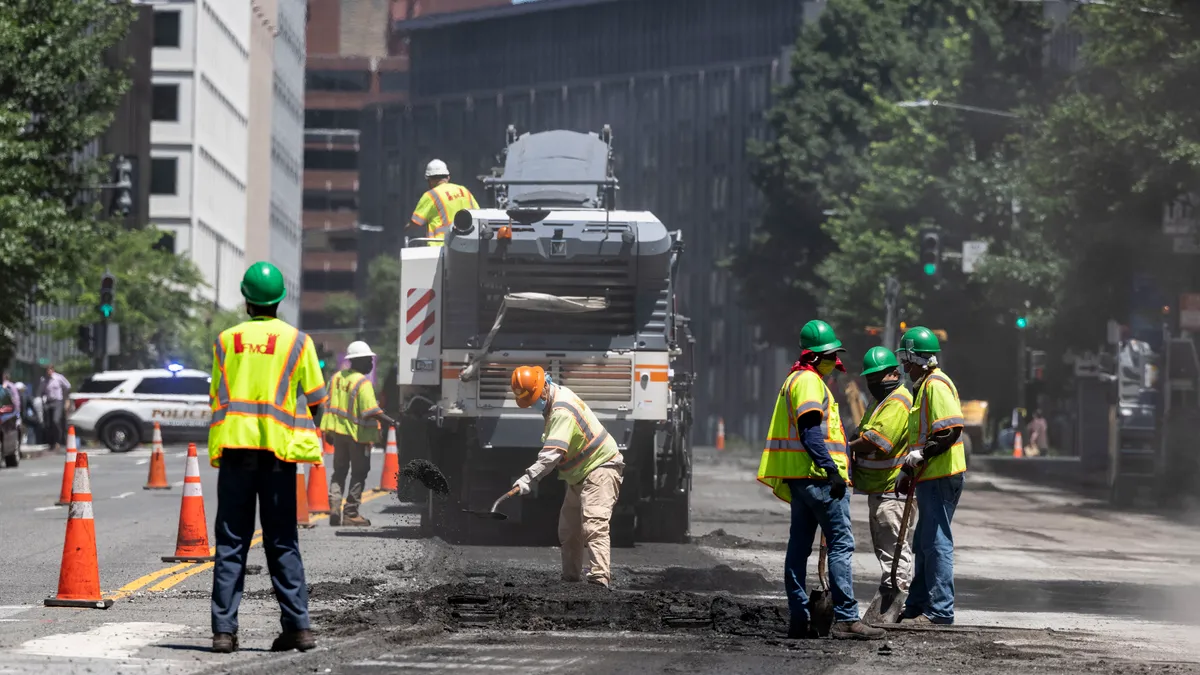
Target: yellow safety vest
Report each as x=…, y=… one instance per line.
x=351, y=402
x=784, y=457
x=436, y=209
x=572, y=428
x=259, y=368
x=885, y=426
x=936, y=407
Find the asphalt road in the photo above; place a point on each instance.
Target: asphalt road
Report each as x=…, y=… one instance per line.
x=1046, y=580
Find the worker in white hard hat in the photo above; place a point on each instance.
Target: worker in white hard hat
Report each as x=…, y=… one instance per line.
x=435, y=211
x=351, y=425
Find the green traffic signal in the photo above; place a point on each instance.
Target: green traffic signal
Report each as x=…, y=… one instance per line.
x=321, y=363
x=1021, y=322
x=930, y=269
x=106, y=310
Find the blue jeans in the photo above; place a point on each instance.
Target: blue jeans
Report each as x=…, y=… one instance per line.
x=932, y=589
x=812, y=507
x=247, y=476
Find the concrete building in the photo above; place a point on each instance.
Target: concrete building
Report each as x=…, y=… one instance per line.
x=199, y=169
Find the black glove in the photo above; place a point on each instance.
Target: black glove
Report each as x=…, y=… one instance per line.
x=837, y=486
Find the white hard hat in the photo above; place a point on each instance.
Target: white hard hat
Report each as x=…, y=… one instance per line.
x=358, y=350
x=436, y=168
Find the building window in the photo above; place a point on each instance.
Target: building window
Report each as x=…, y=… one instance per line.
x=166, y=243
x=164, y=103
x=331, y=160
x=332, y=119
x=330, y=201
x=332, y=282
x=166, y=28
x=337, y=80
x=397, y=81
x=162, y=175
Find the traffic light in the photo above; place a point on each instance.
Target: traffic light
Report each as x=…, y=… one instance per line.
x=122, y=198
x=930, y=255
x=84, y=342
x=1022, y=322
x=323, y=354
x=107, y=295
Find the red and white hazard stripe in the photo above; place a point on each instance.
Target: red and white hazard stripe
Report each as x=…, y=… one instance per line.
x=419, y=315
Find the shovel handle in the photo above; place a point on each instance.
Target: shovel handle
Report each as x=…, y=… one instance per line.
x=511, y=493
x=908, y=502
x=822, y=564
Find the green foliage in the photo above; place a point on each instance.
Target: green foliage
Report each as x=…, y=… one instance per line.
x=382, y=309
x=59, y=95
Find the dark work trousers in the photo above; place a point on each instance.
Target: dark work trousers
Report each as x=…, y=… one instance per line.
x=244, y=477
x=55, y=422
x=353, y=458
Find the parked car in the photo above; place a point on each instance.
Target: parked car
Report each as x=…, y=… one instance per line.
x=119, y=407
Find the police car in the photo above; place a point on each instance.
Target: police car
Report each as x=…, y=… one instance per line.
x=119, y=407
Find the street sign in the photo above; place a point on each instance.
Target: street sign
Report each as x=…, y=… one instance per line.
x=1185, y=244
x=1180, y=216
x=112, y=341
x=972, y=254
x=1189, y=312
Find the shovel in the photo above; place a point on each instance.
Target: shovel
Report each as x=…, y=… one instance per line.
x=494, y=514
x=889, y=602
x=820, y=602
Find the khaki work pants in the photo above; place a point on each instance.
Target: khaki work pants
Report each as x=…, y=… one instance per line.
x=584, y=522
x=885, y=517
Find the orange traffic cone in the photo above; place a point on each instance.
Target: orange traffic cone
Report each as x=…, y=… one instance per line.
x=191, y=544
x=318, y=489
x=79, y=573
x=720, y=433
x=301, y=501
x=1018, y=446
x=157, y=478
x=68, y=479
x=389, y=481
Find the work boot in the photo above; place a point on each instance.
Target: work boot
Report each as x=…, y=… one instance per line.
x=335, y=519
x=856, y=630
x=599, y=582
x=288, y=640
x=918, y=620
x=355, y=521
x=224, y=643
x=798, y=630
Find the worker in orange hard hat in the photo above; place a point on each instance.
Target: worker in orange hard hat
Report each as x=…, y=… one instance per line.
x=587, y=458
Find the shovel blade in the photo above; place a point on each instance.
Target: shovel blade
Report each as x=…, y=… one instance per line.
x=490, y=515
x=820, y=612
x=886, y=607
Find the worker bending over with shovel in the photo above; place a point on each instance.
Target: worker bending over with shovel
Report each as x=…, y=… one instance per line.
x=937, y=458
x=877, y=456
x=804, y=463
x=587, y=459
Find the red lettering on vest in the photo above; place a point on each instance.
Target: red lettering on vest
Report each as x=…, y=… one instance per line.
x=267, y=349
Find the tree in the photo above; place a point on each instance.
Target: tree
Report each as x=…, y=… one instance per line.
x=58, y=95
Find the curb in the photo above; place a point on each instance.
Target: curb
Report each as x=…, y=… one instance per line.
x=35, y=452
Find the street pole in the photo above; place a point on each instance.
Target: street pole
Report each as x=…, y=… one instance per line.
x=1021, y=368
x=891, y=302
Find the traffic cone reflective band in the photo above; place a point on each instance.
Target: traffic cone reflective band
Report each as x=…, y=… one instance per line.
x=388, y=482
x=191, y=544
x=68, y=478
x=157, y=478
x=318, y=488
x=1018, y=446
x=301, y=501
x=720, y=433
x=79, y=573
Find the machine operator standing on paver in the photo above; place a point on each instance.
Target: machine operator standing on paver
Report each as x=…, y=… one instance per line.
x=937, y=457
x=435, y=210
x=877, y=456
x=587, y=458
x=804, y=463
x=351, y=423
x=257, y=436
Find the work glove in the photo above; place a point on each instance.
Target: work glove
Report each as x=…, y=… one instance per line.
x=904, y=485
x=911, y=461
x=837, y=485
x=524, y=483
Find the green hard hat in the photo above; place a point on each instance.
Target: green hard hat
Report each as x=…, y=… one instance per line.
x=879, y=359
x=920, y=340
x=263, y=285
x=817, y=336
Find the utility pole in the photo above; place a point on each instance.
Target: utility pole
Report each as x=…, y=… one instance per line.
x=891, y=305
x=107, y=307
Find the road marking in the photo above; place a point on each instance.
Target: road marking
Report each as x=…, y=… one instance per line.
x=123, y=495
x=38, y=474
x=47, y=508
x=142, y=461
x=109, y=641
x=177, y=483
x=180, y=454
x=9, y=611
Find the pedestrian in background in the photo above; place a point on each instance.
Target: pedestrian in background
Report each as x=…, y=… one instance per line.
x=1037, y=434
x=54, y=389
x=258, y=434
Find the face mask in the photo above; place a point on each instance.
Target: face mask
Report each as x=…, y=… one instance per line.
x=825, y=367
x=539, y=405
x=880, y=389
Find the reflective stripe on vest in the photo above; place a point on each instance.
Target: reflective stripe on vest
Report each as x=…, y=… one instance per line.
x=878, y=474
x=590, y=446
x=954, y=460
x=784, y=456
x=345, y=421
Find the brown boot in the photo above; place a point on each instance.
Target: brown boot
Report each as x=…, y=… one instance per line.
x=856, y=630
x=302, y=640
x=335, y=518
x=355, y=521
x=224, y=643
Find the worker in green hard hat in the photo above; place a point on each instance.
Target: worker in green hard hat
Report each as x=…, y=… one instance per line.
x=261, y=430
x=804, y=463
x=937, y=460
x=877, y=456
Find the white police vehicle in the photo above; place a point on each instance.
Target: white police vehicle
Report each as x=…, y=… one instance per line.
x=119, y=407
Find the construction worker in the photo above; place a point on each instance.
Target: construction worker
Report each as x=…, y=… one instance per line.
x=435, y=211
x=804, y=463
x=937, y=459
x=587, y=458
x=877, y=455
x=351, y=424
x=257, y=436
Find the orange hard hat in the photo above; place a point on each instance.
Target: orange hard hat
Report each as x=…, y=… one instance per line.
x=528, y=383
